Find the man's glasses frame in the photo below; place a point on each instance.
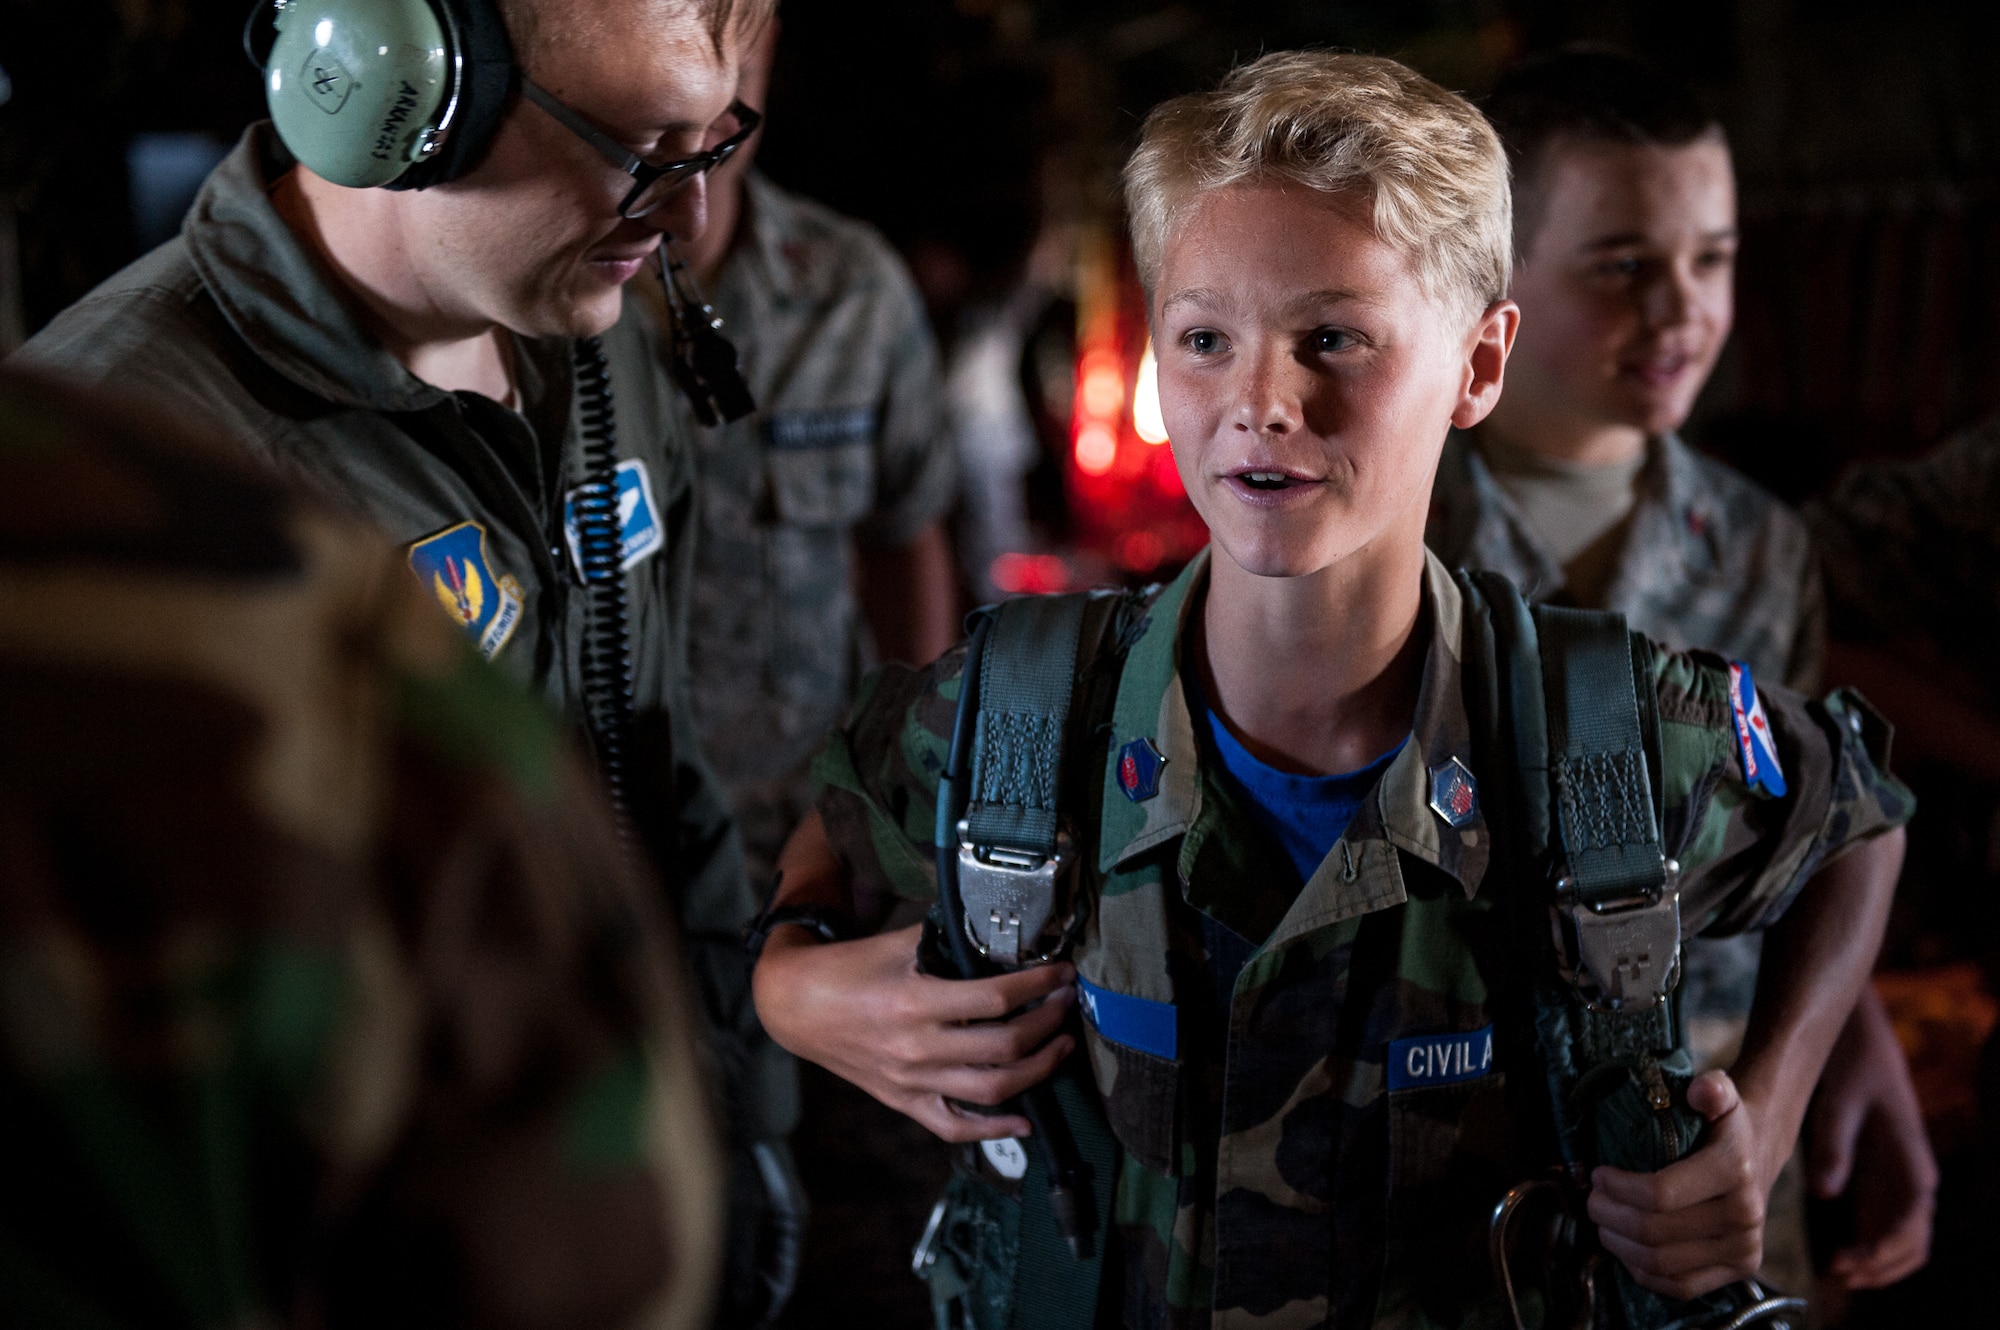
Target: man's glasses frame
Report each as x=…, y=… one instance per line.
x=653, y=183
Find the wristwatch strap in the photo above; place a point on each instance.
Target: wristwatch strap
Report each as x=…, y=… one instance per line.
x=829, y=924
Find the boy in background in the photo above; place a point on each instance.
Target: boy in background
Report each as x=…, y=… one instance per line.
x=1579, y=489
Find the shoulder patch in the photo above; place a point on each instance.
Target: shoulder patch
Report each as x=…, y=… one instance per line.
x=641, y=534
x=1753, y=734
x=453, y=566
x=1440, y=1059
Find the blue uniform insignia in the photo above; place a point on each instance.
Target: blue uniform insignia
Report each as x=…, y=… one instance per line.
x=1753, y=734
x=1139, y=766
x=1136, y=1022
x=1454, y=794
x=640, y=533
x=454, y=567
x=1440, y=1059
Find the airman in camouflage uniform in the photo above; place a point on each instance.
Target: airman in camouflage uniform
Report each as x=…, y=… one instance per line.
x=326, y=994
x=847, y=448
x=1270, y=1175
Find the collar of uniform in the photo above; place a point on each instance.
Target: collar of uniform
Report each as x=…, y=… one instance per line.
x=1682, y=497
x=1481, y=527
x=276, y=294
x=1151, y=707
x=1485, y=527
x=1440, y=734
x=762, y=233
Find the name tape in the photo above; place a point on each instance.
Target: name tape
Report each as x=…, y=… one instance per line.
x=1440, y=1059
x=1136, y=1022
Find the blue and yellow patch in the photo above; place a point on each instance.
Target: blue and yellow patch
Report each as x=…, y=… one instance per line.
x=453, y=566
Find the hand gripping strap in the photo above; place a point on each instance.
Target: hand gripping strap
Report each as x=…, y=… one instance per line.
x=1604, y=811
x=1026, y=675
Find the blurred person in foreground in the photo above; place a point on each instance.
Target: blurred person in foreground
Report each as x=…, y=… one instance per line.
x=412, y=351
x=1579, y=489
x=1284, y=1012
x=327, y=993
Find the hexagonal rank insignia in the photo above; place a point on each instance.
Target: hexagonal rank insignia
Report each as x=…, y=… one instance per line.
x=1139, y=766
x=1454, y=794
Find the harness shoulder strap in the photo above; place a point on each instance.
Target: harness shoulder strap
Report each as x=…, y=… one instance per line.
x=1562, y=699
x=1040, y=671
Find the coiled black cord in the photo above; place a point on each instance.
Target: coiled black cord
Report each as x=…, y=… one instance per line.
x=607, y=649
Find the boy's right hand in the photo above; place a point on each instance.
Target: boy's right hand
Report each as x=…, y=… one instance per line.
x=864, y=1012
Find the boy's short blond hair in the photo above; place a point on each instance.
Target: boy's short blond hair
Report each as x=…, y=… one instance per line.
x=1340, y=124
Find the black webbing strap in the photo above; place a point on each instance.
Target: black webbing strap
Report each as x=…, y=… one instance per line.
x=1053, y=1289
x=1604, y=813
x=1025, y=680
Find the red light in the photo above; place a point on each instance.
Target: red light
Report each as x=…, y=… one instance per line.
x=1140, y=551
x=1096, y=449
x=1030, y=574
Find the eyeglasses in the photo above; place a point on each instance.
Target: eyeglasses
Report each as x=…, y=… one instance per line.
x=653, y=183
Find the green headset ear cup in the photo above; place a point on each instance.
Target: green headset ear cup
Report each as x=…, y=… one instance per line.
x=357, y=87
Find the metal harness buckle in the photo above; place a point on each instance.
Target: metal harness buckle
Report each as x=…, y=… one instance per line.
x=1630, y=948
x=1010, y=896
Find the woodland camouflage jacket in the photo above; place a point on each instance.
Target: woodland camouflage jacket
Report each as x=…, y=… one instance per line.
x=326, y=995
x=1293, y=1154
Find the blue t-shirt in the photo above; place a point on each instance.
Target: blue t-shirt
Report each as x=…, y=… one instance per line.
x=1306, y=815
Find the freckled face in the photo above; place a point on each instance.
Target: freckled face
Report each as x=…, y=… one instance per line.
x=1307, y=379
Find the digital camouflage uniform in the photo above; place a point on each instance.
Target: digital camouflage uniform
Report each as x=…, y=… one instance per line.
x=326, y=997
x=847, y=445
x=1710, y=560
x=1268, y=1171
x=236, y=326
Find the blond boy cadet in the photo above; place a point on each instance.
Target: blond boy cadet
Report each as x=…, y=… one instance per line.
x=1578, y=488
x=1285, y=971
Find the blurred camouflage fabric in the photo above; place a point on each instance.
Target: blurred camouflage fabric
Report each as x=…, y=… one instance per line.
x=1912, y=547
x=326, y=995
x=1272, y=1177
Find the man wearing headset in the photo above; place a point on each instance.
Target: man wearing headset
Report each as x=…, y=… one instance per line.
x=396, y=288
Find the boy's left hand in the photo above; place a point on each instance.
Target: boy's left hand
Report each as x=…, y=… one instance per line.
x=1697, y=1224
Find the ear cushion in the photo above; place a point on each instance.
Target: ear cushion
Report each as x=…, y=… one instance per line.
x=491, y=79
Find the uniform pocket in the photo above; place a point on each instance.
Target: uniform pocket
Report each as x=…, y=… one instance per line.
x=1446, y=1168
x=820, y=479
